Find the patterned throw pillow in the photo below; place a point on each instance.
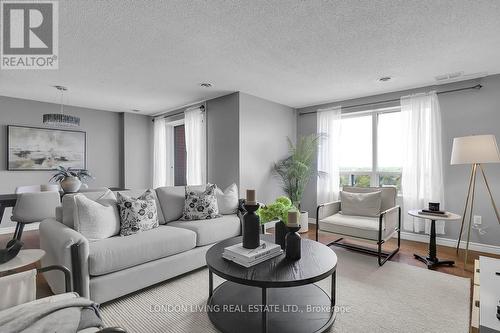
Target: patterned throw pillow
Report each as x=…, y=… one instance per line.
x=200, y=205
x=137, y=214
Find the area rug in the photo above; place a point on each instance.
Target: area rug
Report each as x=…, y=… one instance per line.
x=393, y=298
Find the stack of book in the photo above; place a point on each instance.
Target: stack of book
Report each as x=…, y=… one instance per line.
x=438, y=213
x=250, y=257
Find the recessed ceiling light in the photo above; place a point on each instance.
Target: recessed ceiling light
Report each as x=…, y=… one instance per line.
x=385, y=78
x=205, y=85
x=136, y=110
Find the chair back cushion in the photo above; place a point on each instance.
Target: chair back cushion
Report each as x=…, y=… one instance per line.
x=361, y=204
x=389, y=194
x=35, y=207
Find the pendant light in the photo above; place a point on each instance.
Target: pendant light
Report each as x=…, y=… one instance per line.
x=61, y=119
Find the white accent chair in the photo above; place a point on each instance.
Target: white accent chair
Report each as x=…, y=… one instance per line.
x=378, y=229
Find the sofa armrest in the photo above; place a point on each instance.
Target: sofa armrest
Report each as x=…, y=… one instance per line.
x=59, y=242
x=327, y=209
x=392, y=220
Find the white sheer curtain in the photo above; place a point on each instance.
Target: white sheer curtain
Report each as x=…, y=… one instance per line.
x=163, y=163
x=195, y=129
x=422, y=176
x=328, y=127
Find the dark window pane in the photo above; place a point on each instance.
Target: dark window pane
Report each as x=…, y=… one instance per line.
x=179, y=156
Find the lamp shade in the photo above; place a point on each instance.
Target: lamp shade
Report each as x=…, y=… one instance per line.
x=475, y=149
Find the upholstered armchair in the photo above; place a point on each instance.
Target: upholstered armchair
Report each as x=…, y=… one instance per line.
x=378, y=228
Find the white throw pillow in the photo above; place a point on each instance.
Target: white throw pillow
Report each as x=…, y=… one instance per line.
x=97, y=219
x=227, y=200
x=361, y=204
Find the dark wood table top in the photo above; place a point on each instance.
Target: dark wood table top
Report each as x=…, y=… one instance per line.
x=317, y=262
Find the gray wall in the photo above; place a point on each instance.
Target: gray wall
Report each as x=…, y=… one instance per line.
x=463, y=113
x=137, y=151
x=264, y=128
x=223, y=140
x=105, y=148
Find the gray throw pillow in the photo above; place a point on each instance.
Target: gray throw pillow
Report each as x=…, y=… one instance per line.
x=361, y=204
x=200, y=205
x=137, y=214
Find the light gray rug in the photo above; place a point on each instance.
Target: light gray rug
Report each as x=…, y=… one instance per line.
x=393, y=298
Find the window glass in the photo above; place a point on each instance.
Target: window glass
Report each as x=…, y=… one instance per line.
x=356, y=147
x=389, y=137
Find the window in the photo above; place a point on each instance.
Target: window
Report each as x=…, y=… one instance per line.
x=371, y=151
x=179, y=156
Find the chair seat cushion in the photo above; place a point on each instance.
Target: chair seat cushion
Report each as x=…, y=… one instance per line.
x=212, y=230
x=117, y=253
x=354, y=226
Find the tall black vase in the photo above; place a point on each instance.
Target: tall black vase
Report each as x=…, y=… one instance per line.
x=280, y=231
x=251, y=227
x=292, y=241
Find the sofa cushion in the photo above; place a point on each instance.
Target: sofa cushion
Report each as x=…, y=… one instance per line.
x=354, y=226
x=97, y=219
x=172, y=200
x=200, y=205
x=137, y=193
x=137, y=214
x=68, y=205
x=213, y=230
x=117, y=253
x=227, y=200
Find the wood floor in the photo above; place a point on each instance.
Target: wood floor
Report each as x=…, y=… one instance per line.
x=405, y=254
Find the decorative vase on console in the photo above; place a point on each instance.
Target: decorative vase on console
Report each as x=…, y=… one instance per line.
x=70, y=179
x=280, y=231
x=251, y=222
x=292, y=239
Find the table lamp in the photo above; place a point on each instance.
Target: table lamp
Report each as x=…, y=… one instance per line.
x=474, y=150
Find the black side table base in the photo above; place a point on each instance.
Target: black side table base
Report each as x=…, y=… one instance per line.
x=433, y=262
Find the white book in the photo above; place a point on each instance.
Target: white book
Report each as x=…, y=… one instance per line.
x=264, y=249
x=253, y=263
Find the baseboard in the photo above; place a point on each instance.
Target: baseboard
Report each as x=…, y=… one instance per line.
x=493, y=249
x=423, y=238
x=10, y=230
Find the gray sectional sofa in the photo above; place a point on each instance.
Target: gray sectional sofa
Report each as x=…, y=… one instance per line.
x=107, y=269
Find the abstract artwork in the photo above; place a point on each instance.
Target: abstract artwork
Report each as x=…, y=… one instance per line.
x=33, y=148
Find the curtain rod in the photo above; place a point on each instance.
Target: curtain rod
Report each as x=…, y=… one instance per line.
x=477, y=86
x=202, y=106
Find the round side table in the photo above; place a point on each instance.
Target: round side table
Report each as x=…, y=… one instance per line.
x=432, y=260
x=23, y=258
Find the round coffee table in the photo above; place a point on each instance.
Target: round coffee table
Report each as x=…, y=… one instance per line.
x=276, y=295
x=23, y=258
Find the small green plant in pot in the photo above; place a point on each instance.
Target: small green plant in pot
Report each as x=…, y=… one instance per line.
x=295, y=171
x=277, y=210
x=70, y=179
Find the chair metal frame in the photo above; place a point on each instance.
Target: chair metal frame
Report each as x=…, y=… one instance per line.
x=381, y=255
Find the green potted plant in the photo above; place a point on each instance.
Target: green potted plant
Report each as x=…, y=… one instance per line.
x=277, y=210
x=70, y=179
x=296, y=170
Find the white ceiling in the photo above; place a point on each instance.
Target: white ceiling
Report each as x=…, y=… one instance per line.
x=151, y=55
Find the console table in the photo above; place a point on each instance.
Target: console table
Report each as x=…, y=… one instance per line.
x=277, y=295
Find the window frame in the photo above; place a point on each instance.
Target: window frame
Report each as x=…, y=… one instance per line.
x=374, y=173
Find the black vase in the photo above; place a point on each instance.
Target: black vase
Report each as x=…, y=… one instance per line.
x=280, y=231
x=292, y=241
x=251, y=227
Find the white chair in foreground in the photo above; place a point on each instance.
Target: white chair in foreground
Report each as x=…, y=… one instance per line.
x=379, y=228
x=21, y=311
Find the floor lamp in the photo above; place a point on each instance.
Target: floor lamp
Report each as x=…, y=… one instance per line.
x=474, y=150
